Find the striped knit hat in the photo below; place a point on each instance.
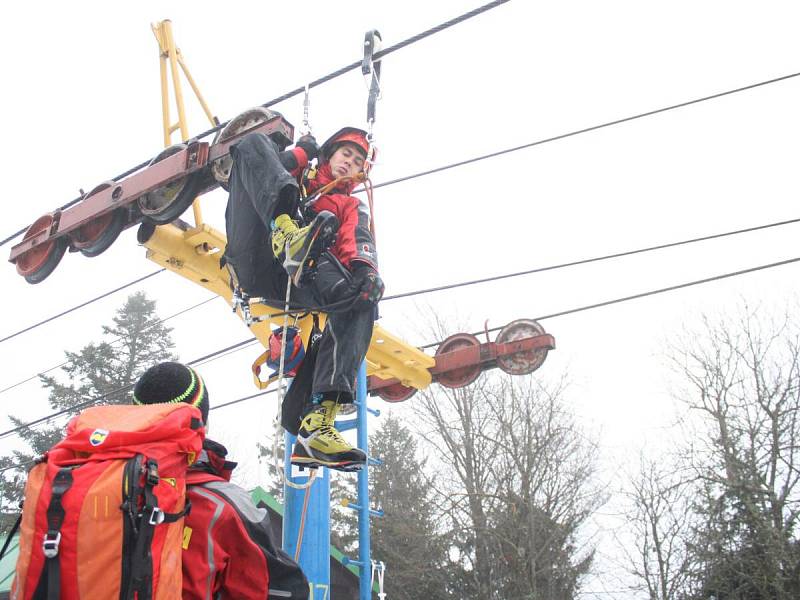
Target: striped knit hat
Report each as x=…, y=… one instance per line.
x=172, y=382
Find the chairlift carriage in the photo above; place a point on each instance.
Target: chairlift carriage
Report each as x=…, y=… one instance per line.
x=154, y=198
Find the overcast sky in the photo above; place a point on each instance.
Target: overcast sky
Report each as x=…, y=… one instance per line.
x=81, y=104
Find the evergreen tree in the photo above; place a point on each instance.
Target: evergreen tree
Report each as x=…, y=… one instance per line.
x=104, y=371
x=407, y=538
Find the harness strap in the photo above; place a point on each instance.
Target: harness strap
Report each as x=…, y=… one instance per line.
x=11, y=534
x=52, y=539
x=141, y=586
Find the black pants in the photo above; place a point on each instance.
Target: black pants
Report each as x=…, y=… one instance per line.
x=261, y=189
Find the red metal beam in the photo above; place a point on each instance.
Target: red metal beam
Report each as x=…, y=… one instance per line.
x=195, y=157
x=484, y=355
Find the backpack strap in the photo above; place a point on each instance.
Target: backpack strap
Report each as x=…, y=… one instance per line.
x=52, y=539
x=141, y=586
x=11, y=535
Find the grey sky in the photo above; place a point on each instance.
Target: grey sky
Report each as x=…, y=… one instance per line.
x=81, y=103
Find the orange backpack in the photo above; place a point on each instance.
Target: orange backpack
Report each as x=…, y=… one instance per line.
x=103, y=511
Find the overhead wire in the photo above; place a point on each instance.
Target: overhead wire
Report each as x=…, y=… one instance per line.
x=483, y=157
x=541, y=318
x=378, y=55
x=587, y=130
x=541, y=269
x=112, y=342
x=480, y=158
x=562, y=136
x=81, y=305
x=670, y=288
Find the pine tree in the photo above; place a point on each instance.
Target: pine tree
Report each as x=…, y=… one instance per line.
x=104, y=371
x=407, y=538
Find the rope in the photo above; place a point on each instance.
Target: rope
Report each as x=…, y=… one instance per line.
x=300, y=531
x=281, y=389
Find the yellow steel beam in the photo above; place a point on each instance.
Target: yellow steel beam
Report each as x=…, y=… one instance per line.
x=170, y=53
x=194, y=254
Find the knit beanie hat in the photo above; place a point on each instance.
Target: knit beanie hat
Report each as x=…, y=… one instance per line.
x=171, y=382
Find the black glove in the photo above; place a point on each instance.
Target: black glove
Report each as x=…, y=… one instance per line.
x=368, y=286
x=309, y=144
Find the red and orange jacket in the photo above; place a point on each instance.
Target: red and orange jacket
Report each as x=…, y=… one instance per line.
x=228, y=546
x=354, y=242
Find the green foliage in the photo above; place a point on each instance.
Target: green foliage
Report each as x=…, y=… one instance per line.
x=407, y=537
x=107, y=370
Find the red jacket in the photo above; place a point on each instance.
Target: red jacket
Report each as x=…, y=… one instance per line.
x=354, y=240
x=228, y=548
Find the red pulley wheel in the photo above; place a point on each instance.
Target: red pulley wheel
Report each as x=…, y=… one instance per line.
x=464, y=375
x=38, y=262
x=521, y=363
x=96, y=236
x=166, y=204
x=397, y=392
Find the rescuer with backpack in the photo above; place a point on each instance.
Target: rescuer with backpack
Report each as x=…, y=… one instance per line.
x=285, y=220
x=135, y=504
x=228, y=546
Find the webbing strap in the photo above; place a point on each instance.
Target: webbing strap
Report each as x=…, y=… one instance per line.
x=52, y=539
x=10, y=536
x=141, y=586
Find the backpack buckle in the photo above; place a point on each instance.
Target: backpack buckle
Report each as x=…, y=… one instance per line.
x=50, y=544
x=156, y=517
x=152, y=473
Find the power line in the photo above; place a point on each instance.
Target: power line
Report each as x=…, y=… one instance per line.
x=88, y=302
x=558, y=314
x=595, y=259
x=300, y=90
x=642, y=295
x=554, y=267
x=508, y=150
x=124, y=388
x=587, y=130
x=145, y=328
x=20, y=466
x=476, y=281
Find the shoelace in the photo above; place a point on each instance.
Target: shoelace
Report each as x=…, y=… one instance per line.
x=332, y=432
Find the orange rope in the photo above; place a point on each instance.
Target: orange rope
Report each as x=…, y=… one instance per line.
x=302, y=524
x=325, y=189
x=368, y=187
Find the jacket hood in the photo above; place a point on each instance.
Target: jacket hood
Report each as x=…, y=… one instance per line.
x=212, y=460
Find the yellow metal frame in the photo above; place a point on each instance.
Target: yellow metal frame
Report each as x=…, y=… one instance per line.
x=194, y=253
x=170, y=58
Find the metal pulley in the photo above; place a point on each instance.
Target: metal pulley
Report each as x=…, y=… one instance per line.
x=519, y=362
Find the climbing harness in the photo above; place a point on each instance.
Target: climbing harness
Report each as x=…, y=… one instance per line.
x=378, y=567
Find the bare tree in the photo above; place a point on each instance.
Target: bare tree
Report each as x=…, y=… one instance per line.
x=517, y=484
x=659, y=522
x=736, y=481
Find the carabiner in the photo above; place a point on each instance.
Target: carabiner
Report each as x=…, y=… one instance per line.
x=371, y=69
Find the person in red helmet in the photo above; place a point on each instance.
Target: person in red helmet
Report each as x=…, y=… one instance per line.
x=285, y=221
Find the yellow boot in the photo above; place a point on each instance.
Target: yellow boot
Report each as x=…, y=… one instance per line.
x=320, y=444
x=300, y=247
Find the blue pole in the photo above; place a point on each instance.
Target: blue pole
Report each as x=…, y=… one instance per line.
x=315, y=548
x=364, y=557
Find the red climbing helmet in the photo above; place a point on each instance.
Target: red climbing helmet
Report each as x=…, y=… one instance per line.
x=353, y=135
